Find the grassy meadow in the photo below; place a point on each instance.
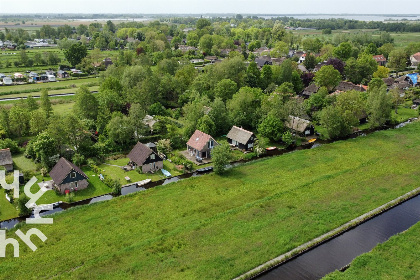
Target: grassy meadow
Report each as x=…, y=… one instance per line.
x=397, y=258
x=217, y=227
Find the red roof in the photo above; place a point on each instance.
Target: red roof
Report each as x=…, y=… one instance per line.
x=199, y=140
x=417, y=56
x=379, y=58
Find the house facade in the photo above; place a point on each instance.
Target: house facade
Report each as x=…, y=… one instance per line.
x=300, y=126
x=6, y=159
x=146, y=158
x=68, y=177
x=241, y=138
x=415, y=59
x=201, y=144
x=380, y=59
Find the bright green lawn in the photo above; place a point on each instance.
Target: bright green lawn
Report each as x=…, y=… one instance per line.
x=63, y=108
x=96, y=187
x=119, y=174
x=50, y=92
x=7, y=210
x=22, y=163
x=397, y=258
x=404, y=114
x=213, y=227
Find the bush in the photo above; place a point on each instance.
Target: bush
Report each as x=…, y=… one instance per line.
x=9, y=143
x=23, y=210
x=44, y=172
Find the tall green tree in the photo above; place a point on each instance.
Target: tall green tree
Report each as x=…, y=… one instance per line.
x=221, y=155
x=334, y=123
x=398, y=60
x=379, y=105
x=327, y=77
x=86, y=105
x=46, y=104
x=243, y=107
x=225, y=89
x=75, y=53
x=38, y=122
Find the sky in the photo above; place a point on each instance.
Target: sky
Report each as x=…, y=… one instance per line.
x=211, y=6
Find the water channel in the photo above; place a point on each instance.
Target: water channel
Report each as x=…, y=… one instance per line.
x=341, y=250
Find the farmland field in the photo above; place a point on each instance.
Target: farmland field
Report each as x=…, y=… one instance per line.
x=397, y=258
x=214, y=227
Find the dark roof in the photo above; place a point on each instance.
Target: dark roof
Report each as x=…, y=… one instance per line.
x=311, y=89
x=239, y=134
x=5, y=157
x=388, y=81
x=140, y=153
x=62, y=169
x=346, y=86
x=263, y=60
x=199, y=140
x=297, y=124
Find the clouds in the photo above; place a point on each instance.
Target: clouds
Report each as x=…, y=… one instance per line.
x=214, y=6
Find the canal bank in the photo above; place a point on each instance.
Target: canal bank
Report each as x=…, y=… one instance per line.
x=295, y=263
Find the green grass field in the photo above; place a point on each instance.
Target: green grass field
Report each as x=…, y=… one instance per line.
x=214, y=227
x=5, y=91
x=117, y=173
x=397, y=258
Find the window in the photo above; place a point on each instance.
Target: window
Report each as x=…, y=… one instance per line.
x=152, y=156
x=73, y=174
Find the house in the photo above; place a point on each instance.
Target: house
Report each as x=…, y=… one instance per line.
x=149, y=121
x=68, y=177
x=185, y=48
x=6, y=159
x=241, y=138
x=145, y=158
x=300, y=126
x=62, y=74
x=212, y=59
x=263, y=60
x=380, y=59
x=107, y=62
x=302, y=68
x=347, y=86
x=309, y=90
x=388, y=81
x=18, y=75
x=302, y=58
x=415, y=59
x=201, y=144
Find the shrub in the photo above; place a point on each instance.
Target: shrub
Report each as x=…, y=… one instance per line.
x=9, y=143
x=23, y=210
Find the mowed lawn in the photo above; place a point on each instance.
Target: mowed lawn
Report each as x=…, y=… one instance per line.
x=214, y=227
x=397, y=258
x=113, y=169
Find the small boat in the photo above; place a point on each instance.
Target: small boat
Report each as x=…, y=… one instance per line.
x=205, y=169
x=312, y=140
x=166, y=173
x=271, y=148
x=144, y=182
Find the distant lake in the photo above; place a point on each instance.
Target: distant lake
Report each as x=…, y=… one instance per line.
x=111, y=19
x=346, y=16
